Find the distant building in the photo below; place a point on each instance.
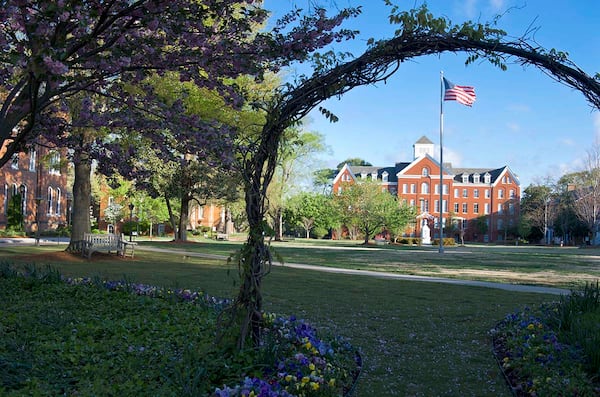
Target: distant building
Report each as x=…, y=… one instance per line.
x=33, y=186
x=482, y=204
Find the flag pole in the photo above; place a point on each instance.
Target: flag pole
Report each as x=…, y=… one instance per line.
x=441, y=224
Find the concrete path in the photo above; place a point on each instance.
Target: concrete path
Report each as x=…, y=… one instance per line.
x=31, y=241
x=384, y=275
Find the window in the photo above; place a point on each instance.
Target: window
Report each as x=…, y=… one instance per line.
x=486, y=208
x=425, y=171
x=445, y=206
x=476, y=208
x=363, y=175
x=500, y=208
x=436, y=188
x=501, y=193
x=465, y=208
x=394, y=190
x=32, y=160
x=476, y=193
x=413, y=188
x=465, y=193
x=487, y=193
x=512, y=193
x=475, y=178
x=465, y=178
x=14, y=162
x=424, y=205
x=424, y=188
x=405, y=188
x=50, y=200
x=54, y=164
x=374, y=175
x=58, y=193
x=412, y=202
x=455, y=193
x=384, y=176
x=436, y=206
x=445, y=189
x=511, y=208
x=487, y=178
x=456, y=208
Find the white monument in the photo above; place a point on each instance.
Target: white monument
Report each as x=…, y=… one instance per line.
x=425, y=233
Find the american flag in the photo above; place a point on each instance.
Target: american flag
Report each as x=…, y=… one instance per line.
x=460, y=93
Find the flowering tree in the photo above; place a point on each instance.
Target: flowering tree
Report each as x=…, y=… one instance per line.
x=76, y=74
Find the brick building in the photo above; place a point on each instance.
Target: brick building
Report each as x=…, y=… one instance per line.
x=482, y=204
x=33, y=186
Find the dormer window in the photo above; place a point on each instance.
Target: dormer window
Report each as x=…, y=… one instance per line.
x=363, y=175
x=465, y=178
x=374, y=175
x=425, y=171
x=384, y=176
x=475, y=178
x=487, y=178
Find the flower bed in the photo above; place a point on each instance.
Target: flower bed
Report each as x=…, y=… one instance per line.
x=293, y=359
x=549, y=351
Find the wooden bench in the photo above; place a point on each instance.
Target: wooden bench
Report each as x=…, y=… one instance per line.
x=221, y=236
x=106, y=243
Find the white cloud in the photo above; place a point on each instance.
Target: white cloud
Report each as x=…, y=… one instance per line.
x=450, y=156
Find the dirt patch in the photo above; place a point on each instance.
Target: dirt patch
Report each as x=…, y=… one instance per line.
x=66, y=257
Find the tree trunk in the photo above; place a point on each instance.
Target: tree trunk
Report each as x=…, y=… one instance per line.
x=82, y=193
x=183, y=217
x=172, y=218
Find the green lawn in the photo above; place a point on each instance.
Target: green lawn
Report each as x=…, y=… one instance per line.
x=549, y=266
x=417, y=338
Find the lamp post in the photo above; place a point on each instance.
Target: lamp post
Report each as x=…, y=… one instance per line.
x=131, y=206
x=22, y=192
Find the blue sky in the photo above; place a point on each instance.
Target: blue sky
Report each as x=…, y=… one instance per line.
x=522, y=118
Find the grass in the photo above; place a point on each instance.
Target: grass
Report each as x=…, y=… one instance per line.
x=417, y=339
x=546, y=266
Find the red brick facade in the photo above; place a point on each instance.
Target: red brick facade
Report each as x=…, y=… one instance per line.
x=470, y=197
x=41, y=175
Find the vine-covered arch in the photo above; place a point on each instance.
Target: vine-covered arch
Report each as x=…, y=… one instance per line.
x=420, y=34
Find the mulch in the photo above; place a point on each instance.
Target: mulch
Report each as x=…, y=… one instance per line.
x=68, y=257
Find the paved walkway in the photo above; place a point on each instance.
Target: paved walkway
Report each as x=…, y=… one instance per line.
x=384, y=275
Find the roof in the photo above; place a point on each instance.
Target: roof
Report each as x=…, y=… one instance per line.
x=357, y=170
x=424, y=139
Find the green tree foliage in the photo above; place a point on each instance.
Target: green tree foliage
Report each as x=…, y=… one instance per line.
x=313, y=213
x=538, y=209
x=366, y=208
x=295, y=153
x=323, y=180
x=352, y=161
